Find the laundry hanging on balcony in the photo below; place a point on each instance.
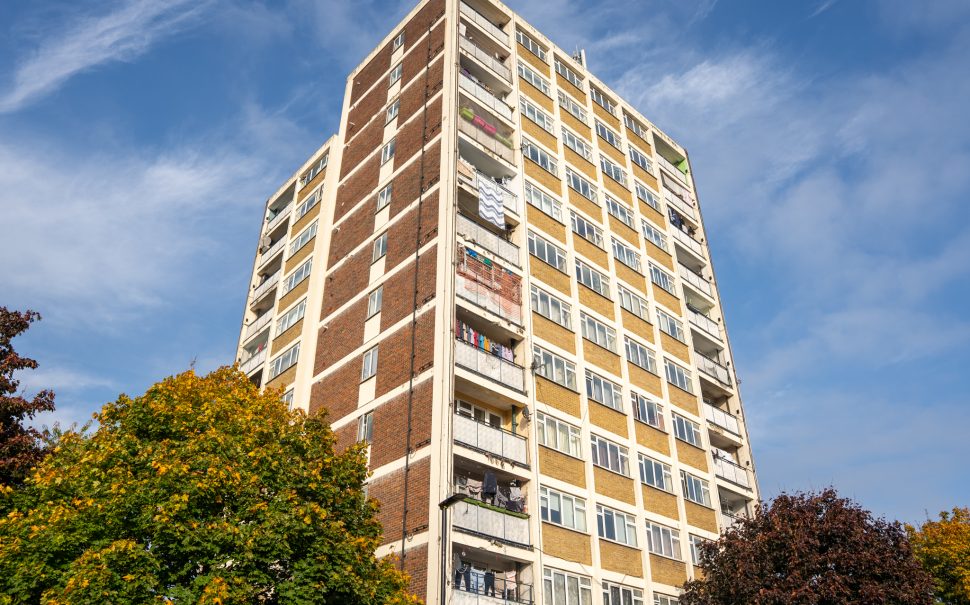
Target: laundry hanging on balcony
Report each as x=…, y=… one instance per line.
x=490, y=201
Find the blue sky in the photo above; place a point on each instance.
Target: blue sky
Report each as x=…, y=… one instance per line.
x=139, y=140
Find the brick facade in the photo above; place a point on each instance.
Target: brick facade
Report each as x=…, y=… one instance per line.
x=394, y=353
x=388, y=490
x=341, y=335
x=390, y=420
x=399, y=289
x=336, y=394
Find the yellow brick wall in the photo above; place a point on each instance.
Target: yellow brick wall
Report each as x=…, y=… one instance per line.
x=283, y=380
x=607, y=417
x=550, y=276
x=660, y=256
x=667, y=571
x=545, y=223
x=622, y=230
x=539, y=134
x=601, y=358
x=580, y=163
x=645, y=380
x=543, y=176
x=693, y=456
x=583, y=204
x=651, y=214
x=293, y=295
x=294, y=261
x=594, y=301
x=535, y=95
x=571, y=89
x=660, y=502
x=591, y=253
x=643, y=329
x=613, y=486
x=631, y=277
x=538, y=64
x=560, y=466
x=642, y=174
x=610, y=151
x=621, y=559
x=683, y=399
x=674, y=347
x=572, y=123
x=643, y=146
x=606, y=117
x=566, y=544
x=306, y=219
x=701, y=516
x=557, y=396
x=616, y=190
x=552, y=332
x=667, y=299
x=651, y=438
x=291, y=334
x=651, y=181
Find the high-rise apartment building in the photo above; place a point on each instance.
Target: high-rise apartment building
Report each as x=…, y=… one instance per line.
x=496, y=273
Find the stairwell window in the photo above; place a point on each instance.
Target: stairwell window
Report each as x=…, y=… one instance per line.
x=398, y=41
x=653, y=235
x=626, y=255
x=531, y=45
x=662, y=279
x=535, y=114
x=375, y=301
x=387, y=152
x=539, y=156
x=696, y=489
x=662, y=599
x=554, y=368
x=574, y=108
x=604, y=391
x=663, y=541
x=315, y=169
x=598, y=332
x=534, y=79
x=365, y=428
x=648, y=197
x=380, y=248
x=586, y=229
x=543, y=201
x=392, y=110
x=677, y=376
x=619, y=212
x=562, y=509
x=577, y=144
x=384, y=197
x=547, y=252
x=284, y=361
x=696, y=542
x=558, y=435
x=633, y=303
x=302, y=272
x=687, y=430
x=395, y=74
x=369, y=366
x=616, y=526
x=612, y=170
x=636, y=127
x=592, y=279
x=551, y=307
x=640, y=356
x=671, y=326
x=581, y=185
x=656, y=474
x=290, y=318
x=647, y=411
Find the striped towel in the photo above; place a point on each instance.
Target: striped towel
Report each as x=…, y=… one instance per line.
x=490, y=204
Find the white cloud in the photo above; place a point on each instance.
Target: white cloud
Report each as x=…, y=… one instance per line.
x=120, y=35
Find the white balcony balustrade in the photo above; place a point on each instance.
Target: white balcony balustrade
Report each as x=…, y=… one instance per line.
x=267, y=286
x=696, y=281
x=488, y=240
x=728, y=470
x=485, y=364
x=722, y=419
x=688, y=242
x=253, y=363
x=471, y=516
x=495, y=441
x=482, y=22
x=509, y=199
x=705, y=323
x=487, y=141
x=673, y=170
x=483, y=57
x=272, y=251
x=713, y=368
x=281, y=216
x=258, y=325
x=487, y=99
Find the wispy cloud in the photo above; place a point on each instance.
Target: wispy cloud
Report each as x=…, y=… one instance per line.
x=822, y=7
x=120, y=35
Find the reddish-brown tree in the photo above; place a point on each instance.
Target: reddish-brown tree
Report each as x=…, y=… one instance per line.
x=810, y=549
x=20, y=446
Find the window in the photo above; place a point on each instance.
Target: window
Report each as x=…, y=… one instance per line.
x=285, y=361
x=305, y=236
x=695, y=548
x=677, y=376
x=612, y=170
x=641, y=356
x=577, y=144
x=306, y=205
x=291, y=317
x=380, y=248
x=626, y=255
x=654, y=235
x=606, y=133
x=539, y=156
x=581, y=185
x=535, y=79
x=662, y=599
x=695, y=489
x=535, y=114
x=547, y=252
x=616, y=526
x=598, y=332
x=604, y=391
x=633, y=303
x=551, y=308
x=649, y=197
x=531, y=45
x=395, y=74
x=398, y=41
x=478, y=414
x=558, y=435
x=687, y=430
x=647, y=411
x=561, y=509
x=569, y=74
x=600, y=99
x=615, y=594
x=656, y=474
x=387, y=152
x=392, y=110
x=315, y=169
x=384, y=196
x=302, y=272
x=671, y=326
x=369, y=367
x=640, y=160
x=555, y=368
x=592, y=279
x=574, y=108
x=610, y=456
x=374, y=302
x=365, y=427
x=662, y=278
x=543, y=201
x=586, y=230
x=287, y=398
x=619, y=212
x=636, y=127
x=663, y=540
x=561, y=588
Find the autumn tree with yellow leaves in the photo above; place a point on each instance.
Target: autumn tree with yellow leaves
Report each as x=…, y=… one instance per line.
x=943, y=547
x=202, y=490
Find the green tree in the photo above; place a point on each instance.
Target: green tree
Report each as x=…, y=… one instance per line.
x=810, y=549
x=201, y=490
x=20, y=446
x=943, y=547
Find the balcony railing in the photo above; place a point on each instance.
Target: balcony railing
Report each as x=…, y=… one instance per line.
x=678, y=203
x=472, y=517
x=270, y=284
x=253, y=363
x=495, y=441
x=695, y=280
x=487, y=99
x=722, y=419
x=488, y=299
x=482, y=21
x=488, y=142
x=509, y=199
x=483, y=57
x=726, y=469
x=500, y=592
x=279, y=218
x=689, y=242
x=265, y=257
x=673, y=170
x=713, y=368
x=704, y=322
x=258, y=325
x=729, y=520
x=492, y=242
x=485, y=364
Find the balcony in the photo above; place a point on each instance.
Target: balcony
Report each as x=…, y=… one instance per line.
x=280, y=217
x=491, y=522
x=504, y=592
x=705, y=323
x=719, y=417
x=258, y=325
x=696, y=281
x=477, y=129
x=494, y=441
x=729, y=471
x=481, y=295
x=487, y=99
x=494, y=243
x=729, y=520
x=480, y=55
x=673, y=170
x=253, y=363
x=688, y=242
x=489, y=366
x=470, y=178
x=483, y=23
x=264, y=288
x=713, y=368
x=271, y=252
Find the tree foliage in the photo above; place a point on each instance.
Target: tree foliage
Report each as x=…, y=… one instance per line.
x=20, y=446
x=943, y=547
x=810, y=549
x=201, y=490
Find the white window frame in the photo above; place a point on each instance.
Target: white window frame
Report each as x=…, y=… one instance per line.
x=375, y=300
x=368, y=366
x=635, y=126
x=648, y=197
x=602, y=100
x=306, y=205
x=570, y=586
x=598, y=332
x=586, y=229
x=695, y=542
x=387, y=151
x=554, y=367
x=687, y=431
x=531, y=45
x=696, y=489
x=577, y=144
x=384, y=196
x=558, y=435
x=581, y=186
x=609, y=135
x=392, y=110
x=380, y=248
x=315, y=169
x=671, y=326
x=547, y=252
x=655, y=473
x=618, y=594
x=543, y=201
x=395, y=74
x=303, y=238
x=626, y=255
x=573, y=107
x=612, y=170
x=572, y=77
x=634, y=303
x=664, y=541
x=647, y=411
x=398, y=41
x=653, y=234
x=620, y=212
x=289, y=319
x=664, y=280
x=678, y=376
x=296, y=278
x=539, y=156
x=663, y=599
x=533, y=78
x=551, y=307
x=622, y=525
x=537, y=115
x=591, y=278
x=575, y=506
x=284, y=361
x=617, y=456
x=640, y=159
x=604, y=391
x=365, y=428
x=640, y=356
